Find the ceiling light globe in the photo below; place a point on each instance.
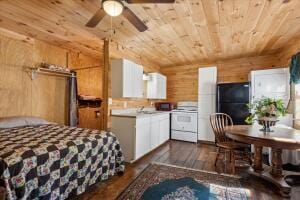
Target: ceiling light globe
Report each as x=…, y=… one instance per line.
x=113, y=7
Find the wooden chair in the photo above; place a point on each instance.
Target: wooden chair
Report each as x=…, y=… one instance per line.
x=218, y=122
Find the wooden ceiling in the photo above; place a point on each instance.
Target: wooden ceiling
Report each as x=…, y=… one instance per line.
x=186, y=32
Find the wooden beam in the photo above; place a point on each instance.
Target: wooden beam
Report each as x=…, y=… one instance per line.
x=105, y=84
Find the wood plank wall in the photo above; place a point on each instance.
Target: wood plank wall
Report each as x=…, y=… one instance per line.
x=89, y=80
x=182, y=81
x=89, y=77
x=44, y=96
x=286, y=53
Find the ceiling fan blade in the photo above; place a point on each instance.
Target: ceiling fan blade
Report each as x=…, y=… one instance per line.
x=134, y=20
x=150, y=1
x=98, y=16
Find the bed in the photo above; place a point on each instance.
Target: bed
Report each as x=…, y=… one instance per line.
x=49, y=161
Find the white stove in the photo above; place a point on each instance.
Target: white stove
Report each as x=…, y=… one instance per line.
x=184, y=124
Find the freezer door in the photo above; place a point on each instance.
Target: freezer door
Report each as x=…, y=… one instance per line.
x=233, y=92
x=237, y=111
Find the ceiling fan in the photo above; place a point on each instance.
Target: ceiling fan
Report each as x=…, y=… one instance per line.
x=116, y=7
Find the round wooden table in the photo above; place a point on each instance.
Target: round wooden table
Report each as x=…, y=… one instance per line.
x=280, y=138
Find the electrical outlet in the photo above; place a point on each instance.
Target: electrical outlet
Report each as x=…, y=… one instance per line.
x=110, y=101
x=125, y=104
x=97, y=114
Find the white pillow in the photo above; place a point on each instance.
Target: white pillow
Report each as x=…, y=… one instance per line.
x=19, y=121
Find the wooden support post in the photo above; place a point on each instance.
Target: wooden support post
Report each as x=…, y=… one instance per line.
x=105, y=84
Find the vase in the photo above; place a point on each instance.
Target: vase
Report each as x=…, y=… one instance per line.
x=267, y=123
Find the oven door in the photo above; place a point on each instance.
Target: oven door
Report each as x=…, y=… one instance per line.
x=182, y=121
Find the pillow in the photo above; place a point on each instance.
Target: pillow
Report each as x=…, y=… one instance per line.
x=19, y=121
x=34, y=121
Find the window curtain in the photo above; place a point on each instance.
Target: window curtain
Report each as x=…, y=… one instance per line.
x=294, y=103
x=73, y=108
x=295, y=68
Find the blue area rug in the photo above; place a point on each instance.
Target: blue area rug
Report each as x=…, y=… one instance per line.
x=186, y=188
x=165, y=182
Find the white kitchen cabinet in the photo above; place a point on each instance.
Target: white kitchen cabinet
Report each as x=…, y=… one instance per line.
x=206, y=133
x=154, y=132
x=126, y=79
x=164, y=129
x=157, y=86
x=207, y=80
x=206, y=105
x=141, y=134
x=206, y=102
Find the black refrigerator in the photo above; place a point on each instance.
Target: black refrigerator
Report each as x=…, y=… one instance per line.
x=232, y=99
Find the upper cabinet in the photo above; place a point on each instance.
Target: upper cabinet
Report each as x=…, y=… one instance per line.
x=157, y=86
x=126, y=79
x=207, y=81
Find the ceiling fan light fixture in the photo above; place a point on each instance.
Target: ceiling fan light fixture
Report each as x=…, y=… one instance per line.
x=113, y=7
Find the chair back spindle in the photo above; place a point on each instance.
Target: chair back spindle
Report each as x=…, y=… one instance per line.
x=218, y=122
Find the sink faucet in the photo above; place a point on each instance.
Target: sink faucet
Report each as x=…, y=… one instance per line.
x=139, y=110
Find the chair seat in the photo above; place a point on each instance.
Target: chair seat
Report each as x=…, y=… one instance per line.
x=232, y=145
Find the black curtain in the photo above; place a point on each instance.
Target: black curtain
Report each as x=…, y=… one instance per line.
x=73, y=108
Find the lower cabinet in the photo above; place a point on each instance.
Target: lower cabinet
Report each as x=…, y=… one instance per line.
x=164, y=129
x=140, y=135
x=154, y=133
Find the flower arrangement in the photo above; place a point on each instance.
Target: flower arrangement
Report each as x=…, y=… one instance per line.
x=266, y=109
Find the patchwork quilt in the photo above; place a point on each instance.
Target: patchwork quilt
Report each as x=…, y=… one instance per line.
x=56, y=162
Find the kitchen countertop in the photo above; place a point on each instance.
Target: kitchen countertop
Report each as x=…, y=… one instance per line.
x=137, y=114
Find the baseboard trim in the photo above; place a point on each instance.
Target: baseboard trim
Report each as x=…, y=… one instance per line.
x=206, y=142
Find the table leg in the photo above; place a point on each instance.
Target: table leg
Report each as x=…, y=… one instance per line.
x=273, y=174
x=276, y=162
x=257, y=165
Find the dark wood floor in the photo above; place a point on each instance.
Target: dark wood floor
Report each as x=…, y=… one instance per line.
x=198, y=156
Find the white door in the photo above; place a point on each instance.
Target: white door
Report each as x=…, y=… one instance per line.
x=205, y=132
x=152, y=86
x=137, y=81
x=127, y=78
x=207, y=80
x=206, y=105
x=163, y=86
x=154, y=134
x=142, y=143
x=164, y=130
x=206, y=102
